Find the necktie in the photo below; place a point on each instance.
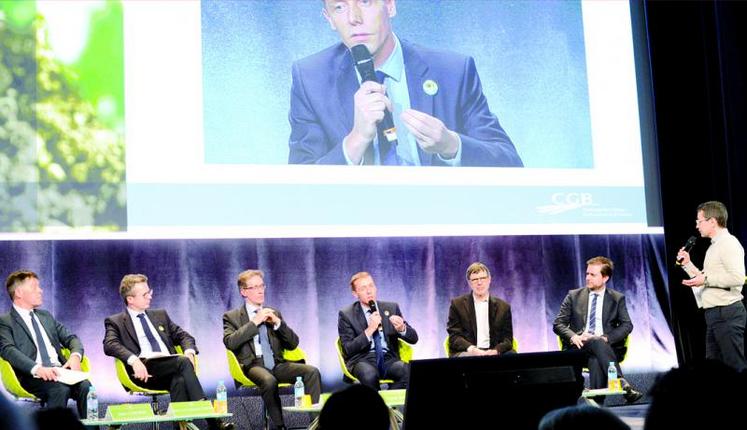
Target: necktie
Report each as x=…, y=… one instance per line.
x=387, y=150
x=379, y=350
x=264, y=340
x=593, y=313
x=46, y=362
x=149, y=334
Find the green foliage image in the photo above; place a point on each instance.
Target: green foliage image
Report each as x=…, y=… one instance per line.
x=62, y=158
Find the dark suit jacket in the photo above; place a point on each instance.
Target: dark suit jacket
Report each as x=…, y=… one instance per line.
x=17, y=344
x=351, y=324
x=616, y=322
x=239, y=332
x=462, y=324
x=321, y=111
x=120, y=340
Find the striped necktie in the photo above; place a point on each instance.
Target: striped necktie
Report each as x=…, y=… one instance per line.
x=593, y=313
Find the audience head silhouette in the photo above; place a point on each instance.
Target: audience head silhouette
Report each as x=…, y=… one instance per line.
x=357, y=406
x=581, y=418
x=706, y=394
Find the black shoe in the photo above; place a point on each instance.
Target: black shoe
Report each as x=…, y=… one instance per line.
x=216, y=424
x=631, y=395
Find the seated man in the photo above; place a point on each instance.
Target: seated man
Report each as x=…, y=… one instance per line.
x=258, y=335
x=598, y=326
x=31, y=340
x=479, y=324
x=139, y=336
x=370, y=343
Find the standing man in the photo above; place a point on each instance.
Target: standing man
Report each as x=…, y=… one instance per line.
x=479, y=324
x=258, y=335
x=31, y=340
x=145, y=340
x=369, y=333
x=435, y=97
x=595, y=320
x=719, y=286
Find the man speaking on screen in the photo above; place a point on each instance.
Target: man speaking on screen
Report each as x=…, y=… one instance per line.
x=434, y=99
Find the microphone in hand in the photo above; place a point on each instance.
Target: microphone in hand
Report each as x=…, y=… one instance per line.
x=372, y=306
x=688, y=246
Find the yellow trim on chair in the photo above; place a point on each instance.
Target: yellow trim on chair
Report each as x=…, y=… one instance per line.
x=405, y=354
x=514, y=345
x=295, y=355
x=13, y=385
x=132, y=388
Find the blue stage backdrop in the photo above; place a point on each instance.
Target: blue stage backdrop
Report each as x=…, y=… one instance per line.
x=308, y=281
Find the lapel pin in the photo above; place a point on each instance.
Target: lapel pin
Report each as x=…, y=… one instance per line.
x=160, y=328
x=430, y=87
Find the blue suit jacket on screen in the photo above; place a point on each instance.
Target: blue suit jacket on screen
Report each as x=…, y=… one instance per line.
x=321, y=109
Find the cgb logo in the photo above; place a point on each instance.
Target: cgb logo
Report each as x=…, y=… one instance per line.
x=564, y=202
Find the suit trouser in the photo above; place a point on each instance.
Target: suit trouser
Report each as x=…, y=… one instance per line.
x=55, y=394
x=175, y=374
x=267, y=382
x=368, y=374
x=725, y=334
x=600, y=355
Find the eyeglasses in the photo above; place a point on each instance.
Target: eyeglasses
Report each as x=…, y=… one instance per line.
x=479, y=278
x=254, y=287
x=698, y=221
x=145, y=294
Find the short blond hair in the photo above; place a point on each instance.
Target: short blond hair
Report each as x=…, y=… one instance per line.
x=128, y=283
x=246, y=274
x=356, y=277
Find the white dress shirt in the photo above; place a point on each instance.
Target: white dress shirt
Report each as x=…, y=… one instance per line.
x=598, y=325
x=26, y=316
x=483, y=322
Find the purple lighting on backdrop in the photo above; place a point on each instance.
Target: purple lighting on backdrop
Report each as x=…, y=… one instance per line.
x=195, y=280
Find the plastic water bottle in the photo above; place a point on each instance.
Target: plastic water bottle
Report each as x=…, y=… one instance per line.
x=92, y=404
x=612, y=382
x=298, y=391
x=221, y=399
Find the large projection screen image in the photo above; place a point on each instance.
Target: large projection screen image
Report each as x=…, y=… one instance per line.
x=203, y=117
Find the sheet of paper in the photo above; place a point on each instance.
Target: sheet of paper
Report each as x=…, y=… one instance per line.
x=71, y=377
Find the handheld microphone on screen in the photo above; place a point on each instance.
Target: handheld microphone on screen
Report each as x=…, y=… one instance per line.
x=688, y=246
x=365, y=65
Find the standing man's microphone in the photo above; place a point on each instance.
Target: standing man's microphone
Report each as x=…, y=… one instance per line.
x=688, y=246
x=365, y=65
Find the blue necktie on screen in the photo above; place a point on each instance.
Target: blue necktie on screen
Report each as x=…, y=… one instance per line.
x=387, y=152
x=379, y=350
x=593, y=314
x=46, y=361
x=264, y=340
x=149, y=334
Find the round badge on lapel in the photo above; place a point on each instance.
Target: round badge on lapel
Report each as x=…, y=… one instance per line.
x=160, y=328
x=430, y=87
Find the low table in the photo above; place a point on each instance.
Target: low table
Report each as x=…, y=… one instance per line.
x=589, y=394
x=392, y=398
x=115, y=424
x=140, y=413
